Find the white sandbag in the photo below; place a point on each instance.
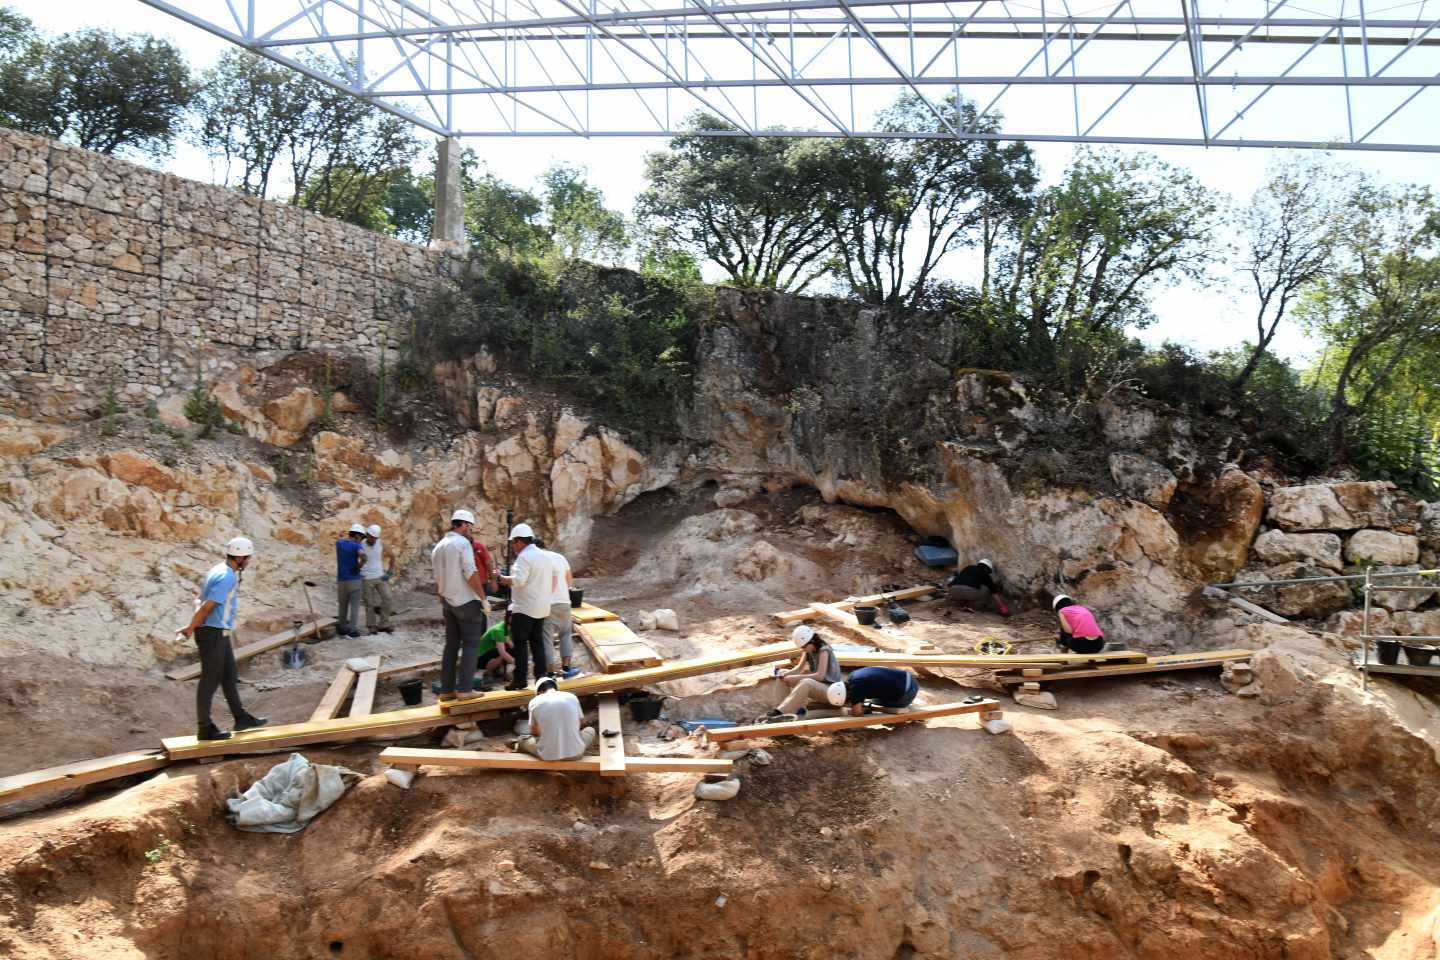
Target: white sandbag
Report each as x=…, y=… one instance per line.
x=292, y=794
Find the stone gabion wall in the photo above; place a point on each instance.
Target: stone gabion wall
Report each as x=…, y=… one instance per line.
x=114, y=273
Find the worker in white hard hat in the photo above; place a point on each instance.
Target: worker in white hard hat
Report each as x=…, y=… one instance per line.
x=882, y=686
x=1079, y=633
x=808, y=680
x=977, y=584
x=559, y=624
x=375, y=582
x=213, y=626
x=349, y=557
x=555, y=724
x=531, y=583
x=462, y=605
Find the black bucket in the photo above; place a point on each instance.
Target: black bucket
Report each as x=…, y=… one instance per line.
x=411, y=692
x=1389, y=651
x=577, y=597
x=866, y=616
x=1419, y=656
x=644, y=709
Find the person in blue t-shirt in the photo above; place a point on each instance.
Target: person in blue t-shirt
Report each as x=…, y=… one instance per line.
x=349, y=588
x=885, y=686
x=212, y=626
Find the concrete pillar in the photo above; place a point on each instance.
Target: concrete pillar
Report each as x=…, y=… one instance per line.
x=449, y=229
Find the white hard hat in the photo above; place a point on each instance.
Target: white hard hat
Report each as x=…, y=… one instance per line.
x=522, y=531
x=802, y=635
x=240, y=547
x=1056, y=602
x=374, y=530
x=357, y=528
x=464, y=515
x=835, y=693
x=540, y=683
x=987, y=563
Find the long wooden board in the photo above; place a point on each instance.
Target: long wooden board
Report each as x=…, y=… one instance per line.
x=499, y=760
x=615, y=647
x=70, y=775
x=613, y=682
x=1174, y=661
x=802, y=727
x=850, y=603
x=364, y=699
x=330, y=704
x=1043, y=661
x=612, y=749
x=260, y=646
x=589, y=613
x=417, y=666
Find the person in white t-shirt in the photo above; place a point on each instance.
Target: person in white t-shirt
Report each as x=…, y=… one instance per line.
x=559, y=627
x=555, y=730
x=531, y=585
x=375, y=582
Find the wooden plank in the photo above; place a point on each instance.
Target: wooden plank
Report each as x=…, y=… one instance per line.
x=259, y=646
x=589, y=613
x=281, y=736
x=365, y=681
x=415, y=667
x=612, y=749
x=501, y=760
x=615, y=647
x=614, y=682
x=850, y=603
x=1160, y=664
x=803, y=727
x=832, y=612
x=632, y=656
x=70, y=775
x=1040, y=661
x=329, y=705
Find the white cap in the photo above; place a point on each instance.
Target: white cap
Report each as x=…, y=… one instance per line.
x=835, y=693
x=240, y=547
x=987, y=563
x=374, y=530
x=464, y=515
x=1056, y=602
x=539, y=683
x=522, y=531
x=802, y=635
x=357, y=528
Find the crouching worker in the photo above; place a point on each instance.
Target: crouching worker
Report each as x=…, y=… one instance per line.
x=492, y=655
x=977, y=584
x=1079, y=633
x=882, y=686
x=555, y=731
x=809, y=679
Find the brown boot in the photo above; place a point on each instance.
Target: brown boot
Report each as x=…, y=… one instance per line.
x=447, y=697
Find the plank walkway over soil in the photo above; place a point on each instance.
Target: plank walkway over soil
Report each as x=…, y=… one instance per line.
x=1195, y=660
x=80, y=773
x=803, y=727
x=260, y=646
x=615, y=647
x=500, y=760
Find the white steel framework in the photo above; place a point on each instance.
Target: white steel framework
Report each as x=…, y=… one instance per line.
x=1332, y=74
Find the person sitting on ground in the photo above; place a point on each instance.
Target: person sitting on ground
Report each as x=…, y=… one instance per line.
x=809, y=679
x=493, y=653
x=882, y=686
x=977, y=583
x=1079, y=633
x=555, y=724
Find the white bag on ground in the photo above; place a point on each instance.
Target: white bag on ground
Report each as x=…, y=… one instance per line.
x=292, y=794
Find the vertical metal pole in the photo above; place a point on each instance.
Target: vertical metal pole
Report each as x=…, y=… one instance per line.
x=360, y=43
x=850, y=68
x=1365, y=638
x=1345, y=71
x=450, y=83
x=250, y=20
x=1364, y=39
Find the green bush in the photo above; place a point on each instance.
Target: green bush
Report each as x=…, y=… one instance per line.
x=202, y=408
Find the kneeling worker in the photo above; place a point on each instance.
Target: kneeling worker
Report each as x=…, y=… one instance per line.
x=809, y=679
x=883, y=686
x=493, y=653
x=555, y=731
x=977, y=583
x=1079, y=633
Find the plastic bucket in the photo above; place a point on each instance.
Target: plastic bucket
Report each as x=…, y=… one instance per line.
x=866, y=615
x=1419, y=656
x=577, y=597
x=411, y=691
x=1389, y=651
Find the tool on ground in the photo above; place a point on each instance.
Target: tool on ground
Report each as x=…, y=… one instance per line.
x=895, y=612
x=991, y=647
x=294, y=658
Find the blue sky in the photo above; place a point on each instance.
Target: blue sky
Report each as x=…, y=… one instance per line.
x=1218, y=315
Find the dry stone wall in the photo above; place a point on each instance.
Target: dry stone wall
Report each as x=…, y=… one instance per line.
x=112, y=272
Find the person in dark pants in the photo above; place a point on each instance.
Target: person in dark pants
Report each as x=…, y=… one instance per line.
x=462, y=604
x=977, y=584
x=349, y=586
x=212, y=627
x=532, y=583
x=885, y=686
x=1079, y=633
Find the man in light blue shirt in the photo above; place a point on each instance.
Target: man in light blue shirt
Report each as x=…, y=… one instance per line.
x=212, y=626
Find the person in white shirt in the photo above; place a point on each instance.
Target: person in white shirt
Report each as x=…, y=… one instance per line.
x=461, y=592
x=559, y=622
x=531, y=586
x=374, y=580
x=555, y=731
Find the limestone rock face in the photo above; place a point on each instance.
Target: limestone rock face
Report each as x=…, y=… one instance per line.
x=1352, y=622
x=1413, y=624
x=1383, y=547
x=1216, y=522
x=21, y=438
x=1405, y=599
x=1429, y=525
x=1141, y=478
x=1375, y=503
x=1313, y=506
x=1322, y=549
x=1306, y=601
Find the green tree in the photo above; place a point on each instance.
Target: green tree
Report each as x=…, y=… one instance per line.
x=248, y=107
x=1083, y=263
x=747, y=204
x=580, y=225
x=897, y=206
x=410, y=206
x=93, y=88
x=502, y=218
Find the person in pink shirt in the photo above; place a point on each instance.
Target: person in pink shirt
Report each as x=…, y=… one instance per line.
x=1079, y=633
